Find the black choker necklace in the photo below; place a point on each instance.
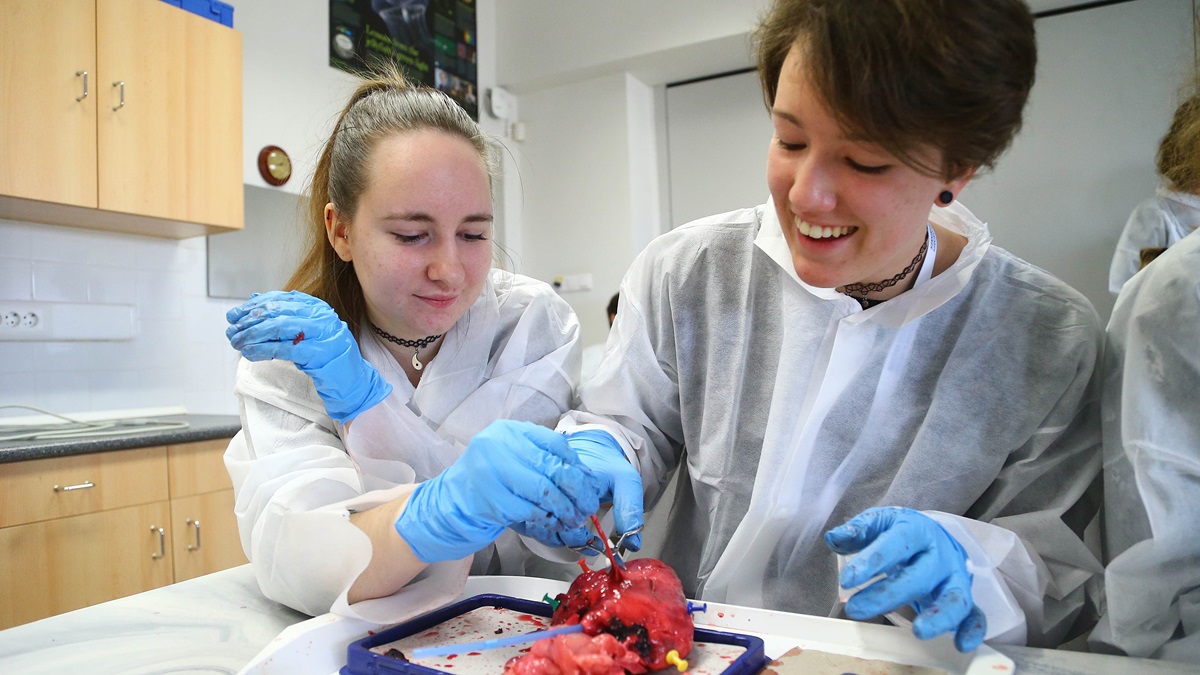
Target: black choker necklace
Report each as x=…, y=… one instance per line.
x=416, y=345
x=875, y=286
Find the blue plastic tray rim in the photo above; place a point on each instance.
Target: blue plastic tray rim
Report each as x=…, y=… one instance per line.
x=362, y=661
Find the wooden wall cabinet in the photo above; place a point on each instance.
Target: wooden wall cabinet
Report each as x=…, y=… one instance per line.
x=121, y=115
x=80, y=530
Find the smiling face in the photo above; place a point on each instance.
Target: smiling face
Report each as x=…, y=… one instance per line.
x=850, y=212
x=421, y=235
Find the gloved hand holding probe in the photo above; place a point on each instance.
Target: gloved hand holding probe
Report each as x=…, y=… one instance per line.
x=511, y=473
x=620, y=484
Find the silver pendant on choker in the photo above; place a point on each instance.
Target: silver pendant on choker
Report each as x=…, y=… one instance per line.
x=415, y=344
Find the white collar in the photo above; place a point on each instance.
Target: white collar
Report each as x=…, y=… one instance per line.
x=911, y=304
x=1185, y=198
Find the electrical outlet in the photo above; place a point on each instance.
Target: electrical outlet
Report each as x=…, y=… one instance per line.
x=24, y=320
x=65, y=322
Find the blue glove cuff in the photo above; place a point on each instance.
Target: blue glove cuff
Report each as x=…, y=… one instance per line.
x=596, y=438
x=426, y=530
x=362, y=394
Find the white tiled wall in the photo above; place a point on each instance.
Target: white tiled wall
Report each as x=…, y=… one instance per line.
x=179, y=355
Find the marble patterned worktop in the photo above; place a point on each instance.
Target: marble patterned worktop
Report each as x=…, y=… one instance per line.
x=212, y=624
x=200, y=428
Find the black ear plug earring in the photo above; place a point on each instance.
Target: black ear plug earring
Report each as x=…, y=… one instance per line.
x=945, y=198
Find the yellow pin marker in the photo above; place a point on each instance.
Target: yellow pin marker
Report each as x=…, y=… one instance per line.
x=673, y=659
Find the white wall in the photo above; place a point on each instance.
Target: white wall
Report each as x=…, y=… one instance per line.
x=589, y=79
x=718, y=131
x=548, y=43
x=1108, y=81
x=180, y=356
x=577, y=216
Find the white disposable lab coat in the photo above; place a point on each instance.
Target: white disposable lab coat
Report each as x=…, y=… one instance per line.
x=792, y=410
x=297, y=475
x=1152, y=461
x=1157, y=222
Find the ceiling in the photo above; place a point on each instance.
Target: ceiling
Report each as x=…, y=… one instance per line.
x=549, y=43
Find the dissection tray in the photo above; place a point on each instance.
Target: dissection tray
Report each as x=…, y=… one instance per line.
x=490, y=616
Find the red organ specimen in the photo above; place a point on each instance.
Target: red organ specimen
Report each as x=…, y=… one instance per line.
x=576, y=654
x=641, y=606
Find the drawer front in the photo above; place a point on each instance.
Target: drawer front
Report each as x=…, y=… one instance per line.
x=58, y=487
x=197, y=468
x=60, y=565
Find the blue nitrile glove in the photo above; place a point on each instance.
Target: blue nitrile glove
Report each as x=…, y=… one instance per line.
x=619, y=484
x=305, y=330
x=925, y=568
x=511, y=472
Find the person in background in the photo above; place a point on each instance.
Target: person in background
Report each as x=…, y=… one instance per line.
x=853, y=365
x=382, y=395
x=1151, y=421
x=1174, y=210
x=593, y=354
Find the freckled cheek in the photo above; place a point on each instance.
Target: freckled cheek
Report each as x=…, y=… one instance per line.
x=477, y=265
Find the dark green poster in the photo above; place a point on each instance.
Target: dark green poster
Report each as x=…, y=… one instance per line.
x=432, y=40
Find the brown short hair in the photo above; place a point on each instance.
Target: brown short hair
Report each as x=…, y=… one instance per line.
x=383, y=105
x=1178, y=158
x=906, y=74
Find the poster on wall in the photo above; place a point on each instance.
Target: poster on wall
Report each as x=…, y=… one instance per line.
x=432, y=40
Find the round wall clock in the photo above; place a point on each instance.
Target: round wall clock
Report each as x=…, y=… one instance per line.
x=274, y=165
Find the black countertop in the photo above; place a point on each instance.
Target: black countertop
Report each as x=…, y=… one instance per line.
x=200, y=428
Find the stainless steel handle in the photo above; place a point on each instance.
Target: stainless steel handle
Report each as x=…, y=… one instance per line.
x=162, y=542
x=85, y=88
x=195, y=524
x=121, y=86
x=82, y=486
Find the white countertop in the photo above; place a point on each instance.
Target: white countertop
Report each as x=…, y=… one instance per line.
x=221, y=623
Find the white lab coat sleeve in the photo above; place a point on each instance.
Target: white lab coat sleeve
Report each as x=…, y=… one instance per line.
x=1007, y=583
x=1152, y=462
x=1147, y=227
x=1028, y=547
x=294, y=489
x=535, y=370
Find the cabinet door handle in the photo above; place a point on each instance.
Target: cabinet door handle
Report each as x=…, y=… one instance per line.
x=195, y=524
x=121, y=86
x=82, y=486
x=162, y=542
x=85, y=88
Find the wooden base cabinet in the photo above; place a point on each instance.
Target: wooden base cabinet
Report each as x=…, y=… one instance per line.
x=205, y=536
x=84, y=529
x=205, y=530
x=68, y=563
